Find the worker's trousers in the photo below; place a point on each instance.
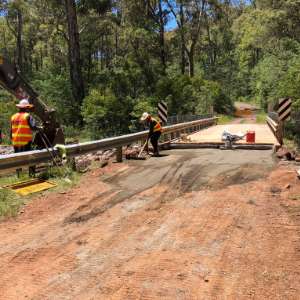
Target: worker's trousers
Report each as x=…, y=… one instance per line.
x=154, y=141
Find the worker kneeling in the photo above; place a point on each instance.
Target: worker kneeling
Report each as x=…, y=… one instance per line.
x=22, y=127
x=155, y=130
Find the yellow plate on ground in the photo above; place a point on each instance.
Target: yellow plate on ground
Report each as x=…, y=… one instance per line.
x=31, y=186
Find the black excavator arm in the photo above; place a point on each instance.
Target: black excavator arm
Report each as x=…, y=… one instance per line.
x=12, y=81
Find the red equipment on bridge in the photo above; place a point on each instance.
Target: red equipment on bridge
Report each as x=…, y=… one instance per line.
x=250, y=137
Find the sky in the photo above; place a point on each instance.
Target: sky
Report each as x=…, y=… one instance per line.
x=172, y=22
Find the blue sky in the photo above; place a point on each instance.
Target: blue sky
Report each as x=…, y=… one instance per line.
x=172, y=22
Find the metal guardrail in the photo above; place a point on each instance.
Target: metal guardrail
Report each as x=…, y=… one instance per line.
x=12, y=161
x=272, y=124
x=273, y=115
x=275, y=127
x=136, y=126
x=176, y=119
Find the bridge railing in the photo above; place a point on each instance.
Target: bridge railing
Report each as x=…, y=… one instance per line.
x=275, y=126
x=176, y=119
x=12, y=161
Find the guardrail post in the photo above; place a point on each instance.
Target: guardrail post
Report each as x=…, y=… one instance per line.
x=119, y=154
x=280, y=132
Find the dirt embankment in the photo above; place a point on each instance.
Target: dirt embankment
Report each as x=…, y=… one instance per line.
x=167, y=228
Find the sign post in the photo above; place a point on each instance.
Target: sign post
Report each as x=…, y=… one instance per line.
x=284, y=112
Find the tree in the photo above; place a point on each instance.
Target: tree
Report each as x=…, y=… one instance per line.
x=14, y=20
x=74, y=53
x=189, y=16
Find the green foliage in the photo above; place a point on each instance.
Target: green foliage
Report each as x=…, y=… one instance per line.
x=104, y=113
x=141, y=105
x=9, y=203
x=55, y=88
x=224, y=119
x=196, y=95
x=7, y=109
x=261, y=117
x=131, y=60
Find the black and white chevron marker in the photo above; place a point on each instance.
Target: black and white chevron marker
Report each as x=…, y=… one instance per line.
x=284, y=108
x=163, y=111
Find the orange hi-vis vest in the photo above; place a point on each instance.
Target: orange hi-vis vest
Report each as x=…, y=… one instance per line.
x=21, y=131
x=157, y=127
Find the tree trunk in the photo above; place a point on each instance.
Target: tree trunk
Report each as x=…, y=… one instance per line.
x=182, y=40
x=74, y=53
x=89, y=64
x=116, y=41
x=162, y=35
x=191, y=64
x=191, y=53
x=101, y=53
x=19, y=40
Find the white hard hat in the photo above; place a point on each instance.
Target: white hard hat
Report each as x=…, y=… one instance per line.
x=24, y=103
x=144, y=116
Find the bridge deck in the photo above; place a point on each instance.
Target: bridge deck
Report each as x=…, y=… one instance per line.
x=263, y=135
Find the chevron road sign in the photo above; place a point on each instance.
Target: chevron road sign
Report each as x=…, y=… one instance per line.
x=284, y=108
x=163, y=111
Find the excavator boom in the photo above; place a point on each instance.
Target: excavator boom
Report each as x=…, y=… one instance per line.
x=12, y=81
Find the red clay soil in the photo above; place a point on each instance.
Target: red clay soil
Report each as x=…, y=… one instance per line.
x=235, y=242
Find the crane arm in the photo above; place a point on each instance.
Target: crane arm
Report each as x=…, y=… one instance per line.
x=12, y=81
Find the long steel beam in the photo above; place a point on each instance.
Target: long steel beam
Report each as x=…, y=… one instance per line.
x=12, y=161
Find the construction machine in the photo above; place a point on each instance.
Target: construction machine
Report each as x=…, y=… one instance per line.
x=12, y=81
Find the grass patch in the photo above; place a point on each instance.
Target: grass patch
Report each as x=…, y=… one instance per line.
x=64, y=176
x=290, y=144
x=261, y=117
x=11, y=202
x=224, y=119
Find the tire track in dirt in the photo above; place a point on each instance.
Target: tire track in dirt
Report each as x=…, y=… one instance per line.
x=166, y=240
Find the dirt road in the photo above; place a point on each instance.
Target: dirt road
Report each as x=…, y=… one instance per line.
x=195, y=224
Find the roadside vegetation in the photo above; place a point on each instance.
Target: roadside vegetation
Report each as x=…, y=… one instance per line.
x=224, y=119
x=261, y=117
x=11, y=202
x=132, y=54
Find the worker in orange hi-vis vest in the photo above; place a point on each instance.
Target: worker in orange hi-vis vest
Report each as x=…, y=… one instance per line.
x=22, y=127
x=155, y=130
